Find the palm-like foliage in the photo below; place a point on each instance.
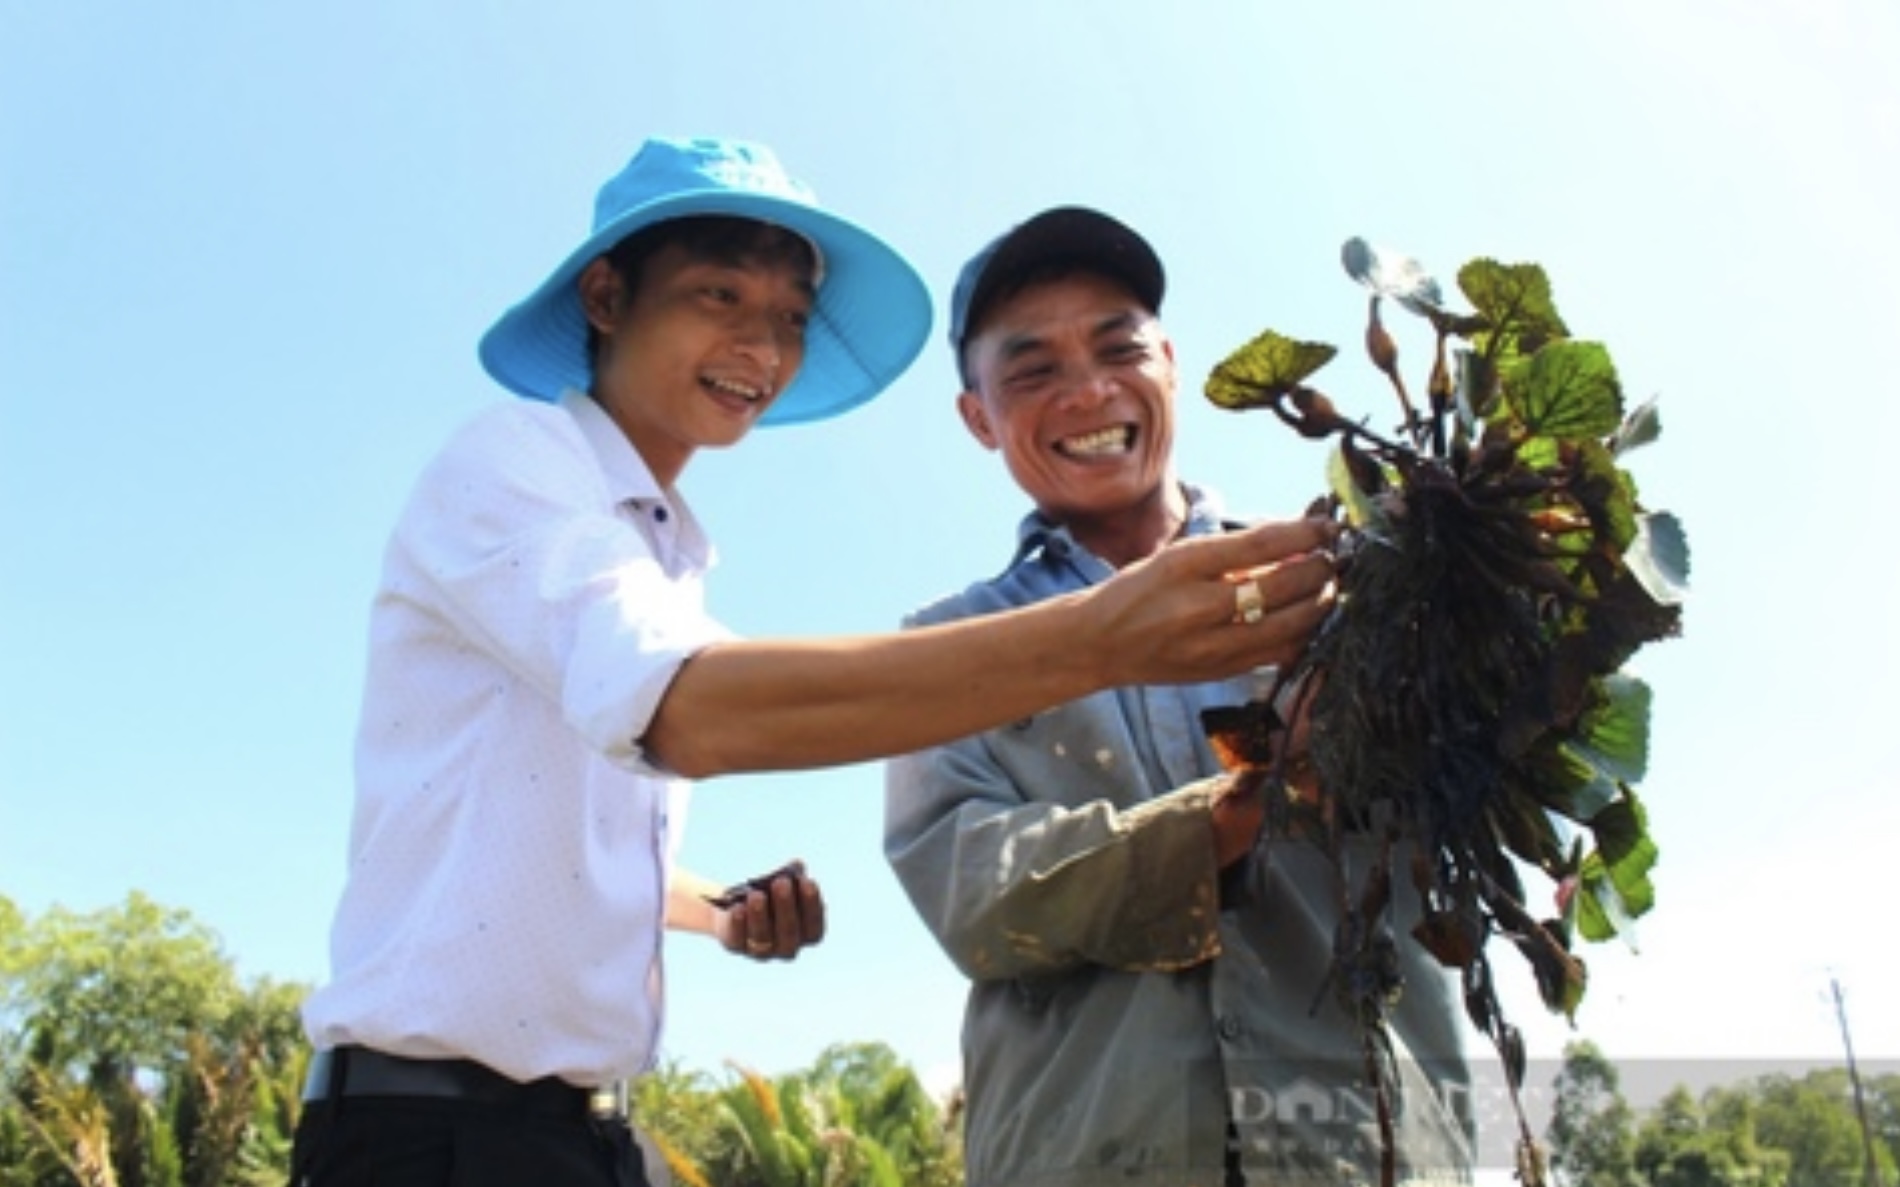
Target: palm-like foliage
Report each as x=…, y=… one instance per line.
x=68, y=1130
x=857, y=1118
x=131, y=1057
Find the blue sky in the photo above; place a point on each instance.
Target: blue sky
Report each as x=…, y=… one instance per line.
x=246, y=250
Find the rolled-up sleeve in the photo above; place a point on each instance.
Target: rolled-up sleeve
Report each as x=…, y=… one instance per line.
x=524, y=555
x=1017, y=877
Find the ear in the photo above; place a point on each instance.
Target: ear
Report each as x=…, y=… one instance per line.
x=603, y=294
x=976, y=418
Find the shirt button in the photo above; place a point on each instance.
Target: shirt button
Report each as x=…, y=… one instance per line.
x=659, y=513
x=1230, y=1028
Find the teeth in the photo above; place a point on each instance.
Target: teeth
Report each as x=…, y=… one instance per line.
x=743, y=391
x=1113, y=440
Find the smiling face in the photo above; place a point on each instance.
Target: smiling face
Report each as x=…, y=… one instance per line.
x=694, y=349
x=1073, y=380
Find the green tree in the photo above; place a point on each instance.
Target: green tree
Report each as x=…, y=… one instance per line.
x=132, y=1056
x=679, y=1110
x=1813, y=1120
x=66, y=1133
x=1686, y=1143
x=1883, y=1117
x=108, y=994
x=858, y=1117
x=130, y=1053
x=879, y=1097
x=1592, y=1132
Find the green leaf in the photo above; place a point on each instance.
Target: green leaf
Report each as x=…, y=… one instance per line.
x=1587, y=789
x=1556, y=776
x=1607, y=492
x=1568, y=391
x=1515, y=299
x=1600, y=910
x=1527, y=831
x=1622, y=834
x=1659, y=557
x=1613, y=736
x=1266, y=368
x=1616, y=876
x=1540, y=455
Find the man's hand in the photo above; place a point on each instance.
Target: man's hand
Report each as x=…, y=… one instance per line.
x=1239, y=811
x=1214, y=606
x=771, y=917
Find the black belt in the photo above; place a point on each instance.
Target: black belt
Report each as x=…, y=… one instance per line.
x=360, y=1072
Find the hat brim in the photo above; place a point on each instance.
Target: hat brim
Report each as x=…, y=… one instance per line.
x=869, y=321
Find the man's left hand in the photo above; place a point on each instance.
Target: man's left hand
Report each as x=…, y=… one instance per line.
x=771, y=917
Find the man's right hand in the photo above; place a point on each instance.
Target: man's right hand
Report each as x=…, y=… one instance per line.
x=1176, y=617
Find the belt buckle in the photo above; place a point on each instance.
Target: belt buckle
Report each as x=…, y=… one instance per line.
x=610, y=1102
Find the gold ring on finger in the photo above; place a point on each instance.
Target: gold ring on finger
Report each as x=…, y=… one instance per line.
x=1249, y=606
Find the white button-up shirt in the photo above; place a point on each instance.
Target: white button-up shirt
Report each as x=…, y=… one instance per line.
x=510, y=845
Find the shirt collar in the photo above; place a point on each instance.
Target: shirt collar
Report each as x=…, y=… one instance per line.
x=1037, y=531
x=630, y=483
x=628, y=477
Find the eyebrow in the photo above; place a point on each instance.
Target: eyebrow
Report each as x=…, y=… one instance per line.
x=1017, y=345
x=755, y=264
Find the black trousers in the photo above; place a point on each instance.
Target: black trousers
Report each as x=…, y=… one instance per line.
x=434, y=1142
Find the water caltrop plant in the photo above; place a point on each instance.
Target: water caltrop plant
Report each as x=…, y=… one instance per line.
x=1467, y=700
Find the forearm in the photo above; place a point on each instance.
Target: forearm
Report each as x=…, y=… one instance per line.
x=1043, y=889
x=766, y=705
x=687, y=908
x=779, y=704
x=1151, y=904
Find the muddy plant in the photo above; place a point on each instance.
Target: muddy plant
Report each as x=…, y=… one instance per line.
x=1467, y=701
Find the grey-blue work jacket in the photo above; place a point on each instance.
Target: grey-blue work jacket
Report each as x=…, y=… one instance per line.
x=1136, y=1016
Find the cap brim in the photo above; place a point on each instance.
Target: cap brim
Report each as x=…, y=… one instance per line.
x=869, y=321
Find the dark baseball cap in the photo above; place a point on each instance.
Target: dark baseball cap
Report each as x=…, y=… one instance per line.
x=1087, y=239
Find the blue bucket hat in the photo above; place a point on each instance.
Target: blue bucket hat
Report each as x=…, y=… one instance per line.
x=870, y=319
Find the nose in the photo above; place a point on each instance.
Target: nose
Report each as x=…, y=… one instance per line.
x=1086, y=385
x=755, y=336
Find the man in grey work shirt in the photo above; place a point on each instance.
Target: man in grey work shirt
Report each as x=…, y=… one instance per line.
x=1144, y=979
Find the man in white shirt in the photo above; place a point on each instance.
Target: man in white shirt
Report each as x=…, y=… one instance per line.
x=544, y=676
